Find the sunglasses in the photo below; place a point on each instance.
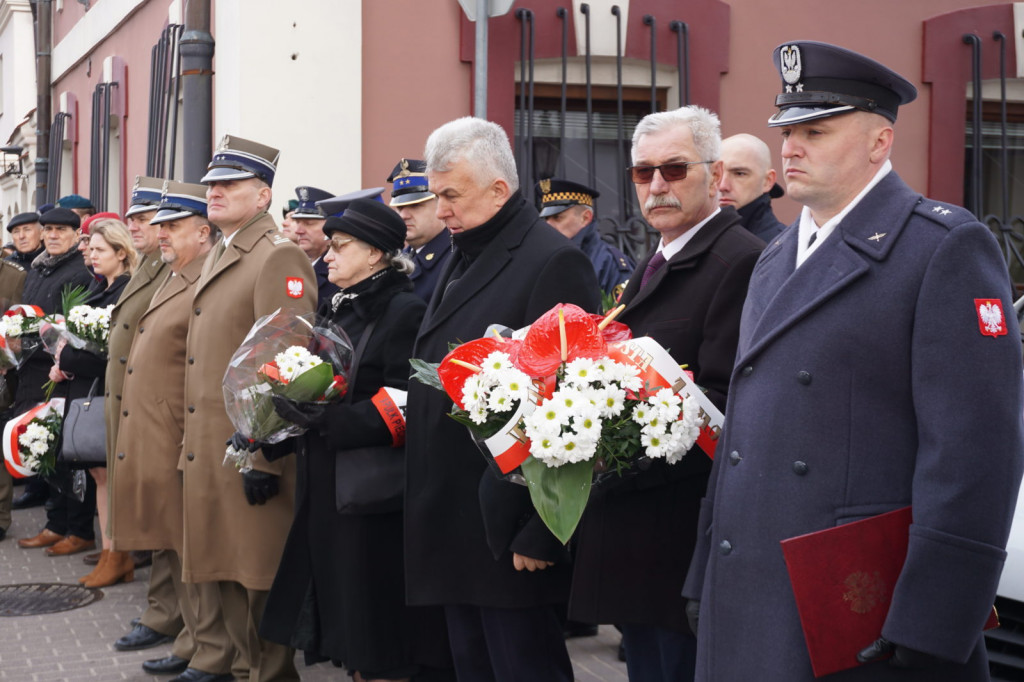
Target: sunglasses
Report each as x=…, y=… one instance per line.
x=641, y=175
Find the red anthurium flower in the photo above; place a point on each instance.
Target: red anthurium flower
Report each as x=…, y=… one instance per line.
x=468, y=358
x=551, y=342
x=613, y=331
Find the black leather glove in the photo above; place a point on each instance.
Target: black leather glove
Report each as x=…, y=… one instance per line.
x=259, y=486
x=241, y=443
x=306, y=415
x=899, y=656
x=693, y=614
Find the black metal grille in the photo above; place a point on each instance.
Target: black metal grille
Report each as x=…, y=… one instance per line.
x=1006, y=643
x=36, y=598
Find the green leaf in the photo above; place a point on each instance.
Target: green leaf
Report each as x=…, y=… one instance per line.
x=559, y=494
x=426, y=373
x=71, y=296
x=308, y=386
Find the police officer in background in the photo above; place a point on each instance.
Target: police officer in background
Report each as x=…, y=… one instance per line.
x=426, y=238
x=307, y=224
x=748, y=184
x=875, y=370
x=569, y=208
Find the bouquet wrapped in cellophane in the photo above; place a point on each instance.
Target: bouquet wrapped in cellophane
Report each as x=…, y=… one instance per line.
x=288, y=354
x=568, y=397
x=31, y=439
x=19, y=334
x=80, y=326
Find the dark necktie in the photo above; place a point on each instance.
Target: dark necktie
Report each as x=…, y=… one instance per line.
x=652, y=267
x=810, y=242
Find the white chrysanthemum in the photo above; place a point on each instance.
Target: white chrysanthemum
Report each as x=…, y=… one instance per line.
x=500, y=400
x=643, y=414
x=610, y=401
x=667, y=404
x=474, y=395
x=512, y=379
x=567, y=400
x=581, y=372
x=656, y=442
x=587, y=426
x=576, y=449
x=545, y=421
x=14, y=324
x=497, y=362
x=547, y=449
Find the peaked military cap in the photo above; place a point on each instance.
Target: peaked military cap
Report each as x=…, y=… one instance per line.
x=409, y=180
x=335, y=206
x=61, y=216
x=307, y=204
x=74, y=201
x=289, y=207
x=239, y=159
x=820, y=80
x=372, y=222
x=557, y=195
x=22, y=219
x=179, y=200
x=145, y=195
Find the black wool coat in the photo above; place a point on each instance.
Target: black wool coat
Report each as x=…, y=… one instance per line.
x=637, y=536
x=451, y=494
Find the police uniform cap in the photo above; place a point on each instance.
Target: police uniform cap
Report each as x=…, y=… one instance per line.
x=22, y=219
x=306, y=206
x=372, y=222
x=239, y=159
x=820, y=80
x=61, y=216
x=335, y=206
x=74, y=201
x=145, y=195
x=557, y=195
x=410, y=186
x=179, y=200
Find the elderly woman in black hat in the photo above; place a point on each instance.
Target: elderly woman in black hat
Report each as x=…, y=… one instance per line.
x=339, y=593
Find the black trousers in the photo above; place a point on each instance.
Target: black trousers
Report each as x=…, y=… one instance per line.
x=508, y=645
x=70, y=516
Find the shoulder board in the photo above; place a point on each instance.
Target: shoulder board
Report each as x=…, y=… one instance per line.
x=942, y=213
x=14, y=265
x=279, y=239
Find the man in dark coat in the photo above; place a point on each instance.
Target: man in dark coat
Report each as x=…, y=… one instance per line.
x=473, y=542
x=875, y=370
x=687, y=296
x=748, y=184
x=569, y=208
x=427, y=241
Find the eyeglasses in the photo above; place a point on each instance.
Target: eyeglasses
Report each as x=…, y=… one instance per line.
x=338, y=242
x=641, y=175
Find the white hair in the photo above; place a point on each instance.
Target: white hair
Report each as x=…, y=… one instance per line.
x=482, y=144
x=703, y=123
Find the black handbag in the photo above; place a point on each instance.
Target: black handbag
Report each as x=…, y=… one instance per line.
x=368, y=480
x=84, y=436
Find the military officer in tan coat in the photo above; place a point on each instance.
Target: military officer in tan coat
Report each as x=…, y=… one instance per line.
x=147, y=493
x=12, y=282
x=236, y=524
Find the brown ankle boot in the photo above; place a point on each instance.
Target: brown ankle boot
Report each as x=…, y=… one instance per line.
x=97, y=568
x=118, y=566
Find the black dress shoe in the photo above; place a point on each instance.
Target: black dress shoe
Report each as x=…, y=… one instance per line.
x=193, y=675
x=141, y=637
x=574, y=629
x=165, y=666
x=3, y=533
x=142, y=558
x=135, y=621
x=28, y=499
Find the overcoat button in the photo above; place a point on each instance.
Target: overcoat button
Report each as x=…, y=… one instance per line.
x=198, y=310
x=803, y=377
x=799, y=468
x=125, y=325
x=142, y=329
x=129, y=370
x=125, y=413
x=191, y=361
x=120, y=455
x=724, y=547
x=106, y=394
x=747, y=371
x=734, y=458
x=122, y=359
x=191, y=408
x=118, y=397
x=190, y=457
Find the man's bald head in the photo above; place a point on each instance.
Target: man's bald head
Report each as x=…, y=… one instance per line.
x=748, y=173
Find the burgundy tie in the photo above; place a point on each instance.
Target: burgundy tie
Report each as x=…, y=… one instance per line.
x=652, y=267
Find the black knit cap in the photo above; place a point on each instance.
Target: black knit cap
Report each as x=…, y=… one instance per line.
x=61, y=216
x=372, y=222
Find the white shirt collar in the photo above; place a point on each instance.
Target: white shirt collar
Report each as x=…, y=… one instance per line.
x=677, y=244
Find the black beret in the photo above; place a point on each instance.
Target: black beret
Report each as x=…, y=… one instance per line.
x=23, y=219
x=61, y=216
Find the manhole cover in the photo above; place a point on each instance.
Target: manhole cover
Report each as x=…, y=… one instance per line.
x=35, y=598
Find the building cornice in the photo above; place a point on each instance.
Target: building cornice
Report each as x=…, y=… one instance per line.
x=100, y=21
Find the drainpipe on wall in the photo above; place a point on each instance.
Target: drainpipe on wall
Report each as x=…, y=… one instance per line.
x=196, y=49
x=44, y=116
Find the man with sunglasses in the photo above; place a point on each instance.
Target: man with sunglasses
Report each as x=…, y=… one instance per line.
x=878, y=368
x=636, y=539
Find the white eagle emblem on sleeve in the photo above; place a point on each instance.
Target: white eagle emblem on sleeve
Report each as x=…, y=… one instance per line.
x=990, y=316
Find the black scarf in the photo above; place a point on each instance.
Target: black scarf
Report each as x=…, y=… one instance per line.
x=45, y=264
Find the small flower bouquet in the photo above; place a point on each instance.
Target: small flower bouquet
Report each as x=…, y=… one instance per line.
x=284, y=354
x=571, y=395
x=81, y=326
x=31, y=439
x=19, y=334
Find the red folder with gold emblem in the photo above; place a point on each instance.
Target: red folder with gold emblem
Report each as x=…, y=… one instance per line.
x=843, y=579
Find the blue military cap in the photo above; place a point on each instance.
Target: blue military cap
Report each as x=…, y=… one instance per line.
x=239, y=159
x=822, y=80
x=557, y=195
x=44, y=208
x=307, y=204
x=74, y=201
x=335, y=206
x=409, y=180
x=145, y=195
x=179, y=200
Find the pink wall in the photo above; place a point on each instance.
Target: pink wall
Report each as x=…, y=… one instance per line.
x=413, y=80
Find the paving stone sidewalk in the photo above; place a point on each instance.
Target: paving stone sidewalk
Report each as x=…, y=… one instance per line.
x=78, y=644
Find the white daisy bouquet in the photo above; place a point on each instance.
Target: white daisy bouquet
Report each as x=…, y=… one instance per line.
x=571, y=395
x=285, y=354
x=30, y=440
x=19, y=334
